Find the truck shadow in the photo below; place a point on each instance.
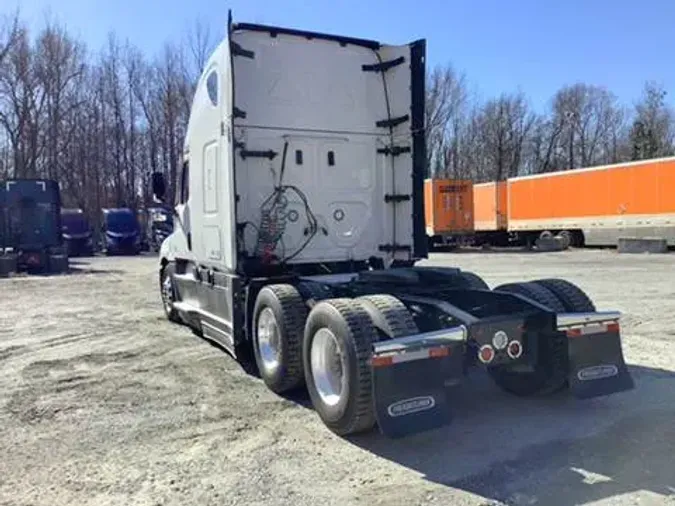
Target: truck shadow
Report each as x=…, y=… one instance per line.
x=81, y=267
x=553, y=451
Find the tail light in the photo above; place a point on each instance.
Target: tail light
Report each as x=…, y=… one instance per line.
x=514, y=349
x=486, y=354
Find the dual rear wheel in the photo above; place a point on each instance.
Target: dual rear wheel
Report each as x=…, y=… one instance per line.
x=551, y=366
x=326, y=349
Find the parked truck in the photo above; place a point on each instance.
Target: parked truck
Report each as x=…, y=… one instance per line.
x=299, y=223
x=121, y=232
x=30, y=237
x=77, y=233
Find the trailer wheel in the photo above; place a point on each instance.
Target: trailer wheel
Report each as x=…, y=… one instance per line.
x=473, y=281
x=573, y=298
x=336, y=353
x=389, y=316
x=168, y=291
x=566, y=238
x=278, y=324
x=550, y=369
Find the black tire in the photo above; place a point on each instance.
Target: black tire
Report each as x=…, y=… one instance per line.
x=58, y=263
x=314, y=292
x=473, y=281
x=168, y=293
x=551, y=367
x=7, y=265
x=290, y=312
x=535, y=292
x=566, y=238
x=349, y=323
x=573, y=298
x=389, y=316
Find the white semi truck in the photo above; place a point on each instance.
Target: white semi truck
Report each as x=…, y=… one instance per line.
x=299, y=219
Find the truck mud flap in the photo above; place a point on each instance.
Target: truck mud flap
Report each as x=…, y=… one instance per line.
x=596, y=361
x=409, y=387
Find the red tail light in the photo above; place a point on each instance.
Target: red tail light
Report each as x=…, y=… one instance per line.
x=486, y=354
x=514, y=349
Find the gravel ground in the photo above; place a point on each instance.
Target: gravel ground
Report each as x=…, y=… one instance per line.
x=102, y=401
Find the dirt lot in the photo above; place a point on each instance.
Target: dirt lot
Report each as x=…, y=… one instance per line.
x=102, y=401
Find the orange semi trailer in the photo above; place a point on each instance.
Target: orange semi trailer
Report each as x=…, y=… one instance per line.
x=594, y=206
x=448, y=209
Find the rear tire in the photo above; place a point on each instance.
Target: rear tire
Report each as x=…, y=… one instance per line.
x=58, y=264
x=535, y=292
x=573, y=298
x=551, y=367
x=167, y=289
x=8, y=265
x=389, y=316
x=278, y=326
x=336, y=353
x=473, y=281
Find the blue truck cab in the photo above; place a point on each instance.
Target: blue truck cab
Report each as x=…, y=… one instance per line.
x=121, y=232
x=76, y=232
x=30, y=234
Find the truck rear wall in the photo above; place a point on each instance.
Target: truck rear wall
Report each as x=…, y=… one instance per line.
x=623, y=198
x=448, y=205
x=489, y=206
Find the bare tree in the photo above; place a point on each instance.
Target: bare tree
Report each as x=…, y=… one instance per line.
x=22, y=105
x=505, y=124
x=200, y=45
x=445, y=107
x=591, y=123
x=653, y=128
x=9, y=36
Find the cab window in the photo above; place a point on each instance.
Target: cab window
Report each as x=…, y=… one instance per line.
x=183, y=193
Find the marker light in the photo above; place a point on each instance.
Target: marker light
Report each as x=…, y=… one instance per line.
x=500, y=340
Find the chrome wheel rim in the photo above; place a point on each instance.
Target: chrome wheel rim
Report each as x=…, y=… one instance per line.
x=268, y=340
x=328, y=367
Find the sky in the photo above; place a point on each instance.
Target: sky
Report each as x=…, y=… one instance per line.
x=502, y=46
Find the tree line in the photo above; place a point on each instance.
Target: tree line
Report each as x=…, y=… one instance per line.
x=100, y=122
x=585, y=125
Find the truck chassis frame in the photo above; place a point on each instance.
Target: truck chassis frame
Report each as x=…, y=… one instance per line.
x=418, y=331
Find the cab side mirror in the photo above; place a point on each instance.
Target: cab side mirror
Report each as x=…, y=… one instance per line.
x=158, y=186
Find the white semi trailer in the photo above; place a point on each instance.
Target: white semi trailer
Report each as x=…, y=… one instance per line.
x=299, y=221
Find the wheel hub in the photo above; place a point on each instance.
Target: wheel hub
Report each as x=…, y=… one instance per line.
x=268, y=340
x=328, y=367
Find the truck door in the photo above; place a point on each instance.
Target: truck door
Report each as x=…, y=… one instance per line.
x=212, y=199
